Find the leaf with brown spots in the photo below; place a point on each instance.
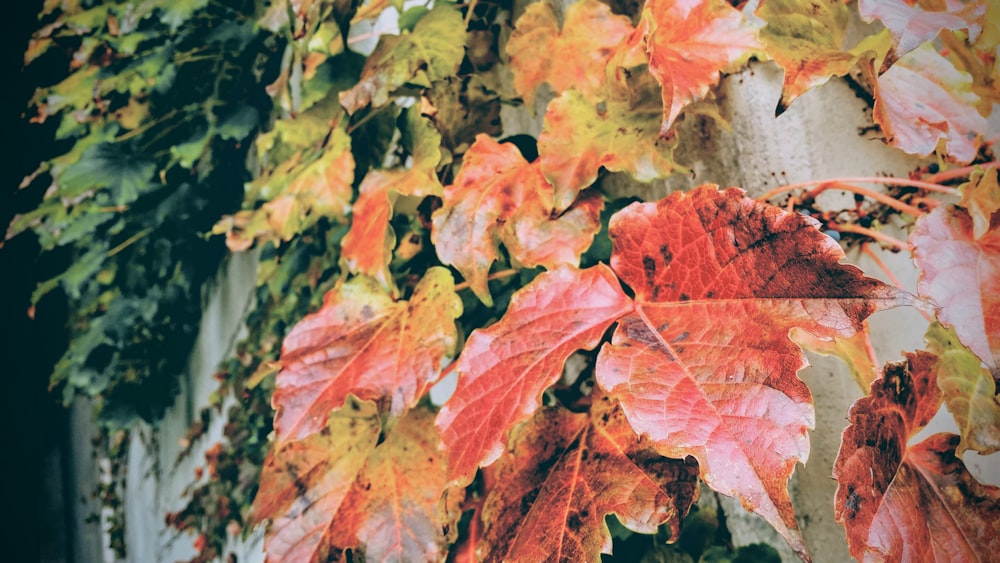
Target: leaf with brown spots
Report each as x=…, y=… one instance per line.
x=910, y=503
x=704, y=365
x=565, y=472
x=363, y=342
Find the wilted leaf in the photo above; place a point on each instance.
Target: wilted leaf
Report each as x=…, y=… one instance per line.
x=571, y=57
x=962, y=275
x=981, y=198
x=923, y=100
x=690, y=42
x=303, y=483
x=394, y=510
x=565, y=472
x=913, y=23
x=806, y=38
x=968, y=390
x=504, y=369
x=432, y=51
x=581, y=136
x=915, y=503
x=361, y=342
x=336, y=490
x=704, y=366
x=498, y=197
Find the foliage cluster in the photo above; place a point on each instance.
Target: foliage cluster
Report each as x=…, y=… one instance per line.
x=402, y=245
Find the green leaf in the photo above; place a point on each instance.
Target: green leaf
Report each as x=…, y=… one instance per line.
x=107, y=165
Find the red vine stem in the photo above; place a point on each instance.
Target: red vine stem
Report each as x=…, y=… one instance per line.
x=881, y=237
x=839, y=184
x=888, y=181
x=494, y=276
x=959, y=172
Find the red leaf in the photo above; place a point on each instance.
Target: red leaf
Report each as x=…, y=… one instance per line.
x=303, y=483
x=912, y=23
x=565, y=472
x=704, y=366
x=962, y=275
x=689, y=43
x=336, y=490
x=504, y=369
x=367, y=247
x=923, y=100
x=498, y=197
x=571, y=57
x=362, y=342
x=915, y=503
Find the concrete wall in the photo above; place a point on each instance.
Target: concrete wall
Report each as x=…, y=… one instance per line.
x=818, y=137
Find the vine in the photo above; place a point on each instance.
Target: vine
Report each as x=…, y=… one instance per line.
x=404, y=240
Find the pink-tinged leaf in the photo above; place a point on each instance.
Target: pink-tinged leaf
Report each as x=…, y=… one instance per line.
x=535, y=238
x=498, y=197
x=912, y=23
x=362, y=342
x=916, y=503
x=704, y=366
x=961, y=274
x=303, y=483
x=923, y=100
x=395, y=510
x=571, y=57
x=690, y=42
x=504, y=369
x=565, y=472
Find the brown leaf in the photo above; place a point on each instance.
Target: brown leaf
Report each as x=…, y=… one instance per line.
x=565, y=472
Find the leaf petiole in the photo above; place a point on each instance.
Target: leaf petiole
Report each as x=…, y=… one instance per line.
x=494, y=276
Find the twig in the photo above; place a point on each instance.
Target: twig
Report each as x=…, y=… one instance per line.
x=959, y=172
x=888, y=181
x=881, y=237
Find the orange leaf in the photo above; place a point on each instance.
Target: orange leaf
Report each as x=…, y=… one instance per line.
x=923, y=100
x=362, y=342
x=535, y=238
x=367, y=247
x=901, y=503
x=962, y=275
x=504, y=369
x=689, y=43
x=981, y=198
x=565, y=472
x=912, y=23
x=571, y=57
x=704, y=365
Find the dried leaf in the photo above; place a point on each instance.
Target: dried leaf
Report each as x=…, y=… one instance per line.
x=961, y=274
x=704, y=365
x=571, y=57
x=902, y=503
x=913, y=23
x=361, y=342
x=923, y=100
x=806, y=39
x=565, y=472
x=503, y=369
x=981, y=198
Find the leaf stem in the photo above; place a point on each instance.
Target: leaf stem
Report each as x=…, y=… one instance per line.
x=881, y=237
x=129, y=241
x=959, y=172
x=494, y=276
x=888, y=181
x=866, y=249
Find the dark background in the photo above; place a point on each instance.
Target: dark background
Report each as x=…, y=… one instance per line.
x=34, y=522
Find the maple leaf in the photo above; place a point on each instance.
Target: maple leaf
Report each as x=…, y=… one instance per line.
x=690, y=42
x=432, y=51
x=805, y=38
x=961, y=274
x=571, y=57
x=503, y=369
x=968, y=389
x=498, y=197
x=704, y=366
x=913, y=23
x=337, y=490
x=909, y=503
x=923, y=100
x=364, y=343
x=565, y=472
x=304, y=482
